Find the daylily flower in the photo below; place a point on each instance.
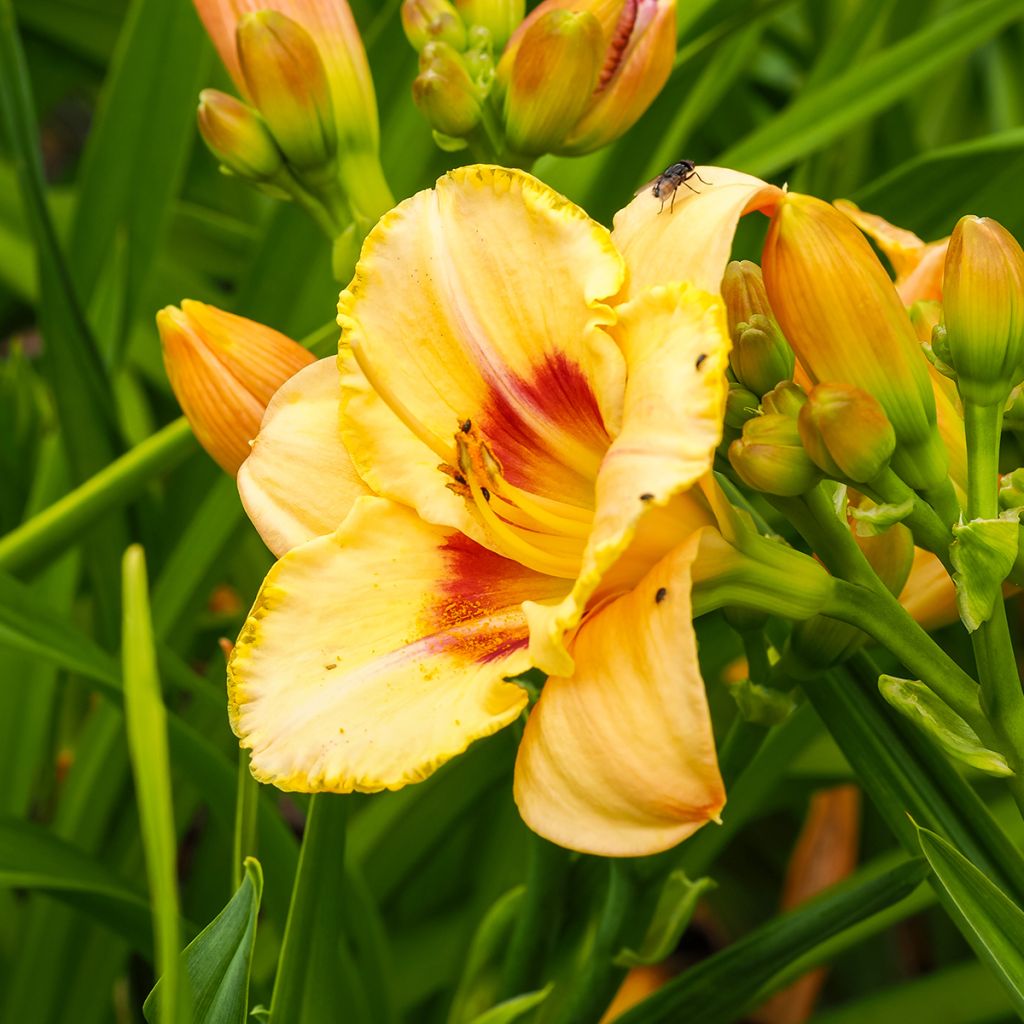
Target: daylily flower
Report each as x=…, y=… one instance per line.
x=633, y=45
x=522, y=420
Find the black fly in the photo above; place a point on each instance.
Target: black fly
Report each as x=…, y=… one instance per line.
x=666, y=183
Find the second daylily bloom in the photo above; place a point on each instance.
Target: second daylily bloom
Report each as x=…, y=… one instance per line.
x=512, y=465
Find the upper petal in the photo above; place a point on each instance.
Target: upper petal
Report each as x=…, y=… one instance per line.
x=374, y=655
x=691, y=238
x=676, y=343
x=479, y=304
x=619, y=759
x=298, y=481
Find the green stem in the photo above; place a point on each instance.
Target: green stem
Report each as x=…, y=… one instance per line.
x=1001, y=694
x=320, y=864
x=528, y=945
x=928, y=529
x=246, y=811
x=47, y=533
x=884, y=619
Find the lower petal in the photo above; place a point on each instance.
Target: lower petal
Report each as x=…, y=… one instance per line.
x=375, y=654
x=298, y=481
x=619, y=759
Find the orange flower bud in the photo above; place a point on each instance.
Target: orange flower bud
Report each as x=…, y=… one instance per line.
x=839, y=310
x=555, y=69
x=499, y=17
x=846, y=433
x=427, y=21
x=444, y=92
x=636, y=51
x=787, y=398
x=769, y=457
x=238, y=137
x=288, y=83
x=224, y=369
x=983, y=303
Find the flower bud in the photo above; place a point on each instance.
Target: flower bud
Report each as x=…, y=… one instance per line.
x=760, y=356
x=785, y=399
x=286, y=79
x=237, y=137
x=1011, y=490
x=554, y=71
x=637, y=49
x=744, y=294
x=839, y=310
x=983, y=302
x=499, y=17
x=444, y=92
x=846, y=433
x=224, y=369
x=740, y=406
x=426, y=21
x=769, y=457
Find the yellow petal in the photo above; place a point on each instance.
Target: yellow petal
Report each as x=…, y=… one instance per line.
x=619, y=760
x=298, y=481
x=929, y=595
x=676, y=343
x=476, y=309
x=374, y=655
x=692, y=239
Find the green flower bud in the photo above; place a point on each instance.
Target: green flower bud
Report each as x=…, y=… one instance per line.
x=499, y=17
x=983, y=301
x=760, y=357
x=740, y=406
x=786, y=399
x=846, y=433
x=1011, y=490
x=552, y=77
x=444, y=92
x=238, y=137
x=769, y=457
x=427, y=21
x=286, y=79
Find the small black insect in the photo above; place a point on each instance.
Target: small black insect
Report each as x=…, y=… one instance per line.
x=700, y=360
x=661, y=594
x=666, y=183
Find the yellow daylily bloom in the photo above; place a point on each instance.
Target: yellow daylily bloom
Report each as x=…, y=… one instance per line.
x=224, y=370
x=525, y=431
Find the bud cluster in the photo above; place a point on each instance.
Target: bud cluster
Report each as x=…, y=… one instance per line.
x=566, y=79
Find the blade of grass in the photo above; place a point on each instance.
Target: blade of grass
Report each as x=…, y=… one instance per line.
x=819, y=115
x=146, y=722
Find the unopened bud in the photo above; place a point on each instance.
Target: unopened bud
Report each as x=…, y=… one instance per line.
x=983, y=302
x=444, y=91
x=846, y=433
x=553, y=74
x=1011, y=490
x=499, y=17
x=769, y=457
x=787, y=398
x=286, y=79
x=224, y=369
x=237, y=137
x=740, y=406
x=760, y=356
x=744, y=293
x=428, y=21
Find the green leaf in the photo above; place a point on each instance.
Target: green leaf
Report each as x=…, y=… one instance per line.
x=993, y=923
x=876, y=519
x=32, y=858
x=914, y=699
x=720, y=989
x=983, y=552
x=821, y=114
x=219, y=959
x=676, y=903
x=512, y=1009
x=146, y=721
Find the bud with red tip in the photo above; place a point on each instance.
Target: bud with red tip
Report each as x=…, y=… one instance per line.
x=238, y=137
x=429, y=21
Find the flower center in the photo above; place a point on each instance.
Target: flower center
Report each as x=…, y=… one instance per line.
x=540, y=532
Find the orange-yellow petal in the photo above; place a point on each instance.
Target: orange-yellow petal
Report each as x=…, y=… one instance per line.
x=676, y=343
x=374, y=655
x=929, y=595
x=690, y=240
x=619, y=759
x=475, y=314
x=298, y=481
